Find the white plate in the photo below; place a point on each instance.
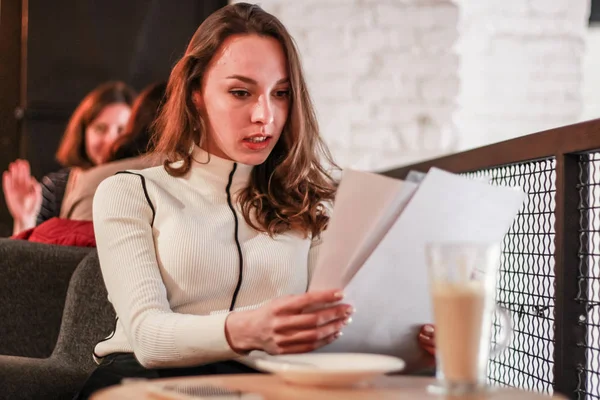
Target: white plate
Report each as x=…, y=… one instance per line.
x=325, y=369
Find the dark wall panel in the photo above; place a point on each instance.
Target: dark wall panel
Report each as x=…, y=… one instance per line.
x=10, y=37
x=74, y=45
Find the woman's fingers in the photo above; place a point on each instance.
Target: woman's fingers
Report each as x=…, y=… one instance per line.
x=310, y=336
x=296, y=330
x=21, y=175
x=313, y=319
x=24, y=170
x=301, y=323
x=26, y=167
x=6, y=181
x=18, y=171
x=428, y=330
x=12, y=166
x=306, y=347
x=10, y=183
x=427, y=335
x=311, y=300
x=427, y=338
x=13, y=171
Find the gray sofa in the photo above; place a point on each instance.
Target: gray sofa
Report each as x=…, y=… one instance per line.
x=53, y=309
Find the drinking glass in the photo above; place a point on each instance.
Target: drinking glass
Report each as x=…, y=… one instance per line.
x=462, y=281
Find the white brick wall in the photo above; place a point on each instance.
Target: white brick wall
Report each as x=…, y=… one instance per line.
x=591, y=75
x=396, y=81
x=521, y=67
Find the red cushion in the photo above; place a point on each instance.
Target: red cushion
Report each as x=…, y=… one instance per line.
x=61, y=231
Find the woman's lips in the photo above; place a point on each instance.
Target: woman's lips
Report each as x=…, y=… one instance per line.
x=257, y=142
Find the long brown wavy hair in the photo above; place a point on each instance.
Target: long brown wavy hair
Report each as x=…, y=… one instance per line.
x=288, y=190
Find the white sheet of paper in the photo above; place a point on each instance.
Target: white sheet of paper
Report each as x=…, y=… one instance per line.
x=390, y=291
x=366, y=206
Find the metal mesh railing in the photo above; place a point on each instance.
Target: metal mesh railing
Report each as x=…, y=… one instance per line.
x=526, y=278
x=589, y=273
x=549, y=278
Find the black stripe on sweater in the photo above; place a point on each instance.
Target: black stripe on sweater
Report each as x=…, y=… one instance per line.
x=143, y=178
x=237, y=240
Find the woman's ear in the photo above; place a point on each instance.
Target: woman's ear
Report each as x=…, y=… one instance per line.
x=197, y=100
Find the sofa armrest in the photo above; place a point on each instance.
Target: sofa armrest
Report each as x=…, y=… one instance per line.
x=34, y=378
x=34, y=278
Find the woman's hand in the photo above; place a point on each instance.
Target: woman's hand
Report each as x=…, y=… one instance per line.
x=427, y=339
x=23, y=195
x=290, y=324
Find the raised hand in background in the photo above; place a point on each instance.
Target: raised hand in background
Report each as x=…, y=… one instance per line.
x=23, y=195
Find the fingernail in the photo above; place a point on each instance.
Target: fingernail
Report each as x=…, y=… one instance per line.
x=337, y=335
x=350, y=310
x=338, y=295
x=347, y=320
x=428, y=328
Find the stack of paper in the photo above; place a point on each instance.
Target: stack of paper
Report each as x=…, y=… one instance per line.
x=366, y=206
x=374, y=248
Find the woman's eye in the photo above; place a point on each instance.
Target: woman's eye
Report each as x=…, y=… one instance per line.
x=100, y=128
x=240, y=93
x=282, y=93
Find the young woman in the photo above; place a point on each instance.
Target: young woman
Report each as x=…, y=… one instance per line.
x=96, y=123
x=209, y=256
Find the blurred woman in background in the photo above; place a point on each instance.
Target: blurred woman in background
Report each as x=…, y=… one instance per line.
x=128, y=152
x=96, y=123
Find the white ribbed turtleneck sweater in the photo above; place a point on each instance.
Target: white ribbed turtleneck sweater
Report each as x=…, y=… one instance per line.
x=169, y=258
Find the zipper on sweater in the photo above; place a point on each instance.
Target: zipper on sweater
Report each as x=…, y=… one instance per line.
x=237, y=239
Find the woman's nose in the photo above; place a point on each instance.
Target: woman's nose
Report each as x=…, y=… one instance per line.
x=113, y=133
x=263, y=111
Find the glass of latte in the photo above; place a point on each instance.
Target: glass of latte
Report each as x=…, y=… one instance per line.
x=463, y=287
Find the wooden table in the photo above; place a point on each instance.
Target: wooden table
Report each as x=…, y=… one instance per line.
x=271, y=387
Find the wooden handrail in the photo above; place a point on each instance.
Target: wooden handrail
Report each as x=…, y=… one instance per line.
x=581, y=137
